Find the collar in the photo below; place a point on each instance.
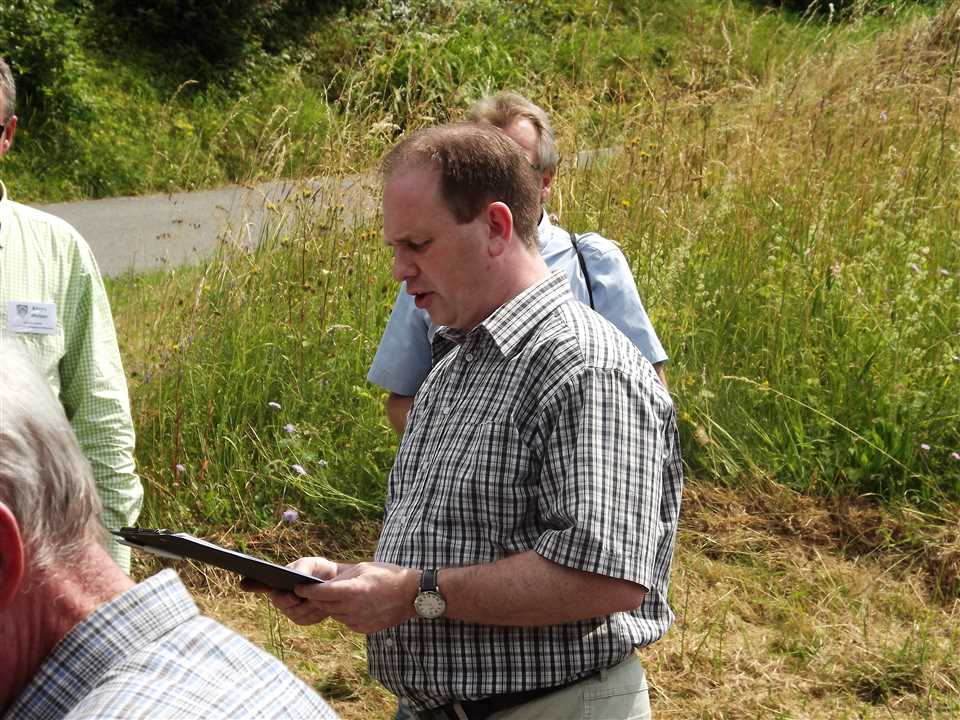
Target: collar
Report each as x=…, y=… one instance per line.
x=543, y=229
x=510, y=324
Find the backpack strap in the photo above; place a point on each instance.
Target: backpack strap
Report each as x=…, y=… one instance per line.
x=583, y=266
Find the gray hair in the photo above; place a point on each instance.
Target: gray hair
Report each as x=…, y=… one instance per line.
x=504, y=108
x=44, y=478
x=8, y=92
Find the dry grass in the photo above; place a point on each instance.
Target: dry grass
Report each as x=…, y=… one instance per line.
x=787, y=607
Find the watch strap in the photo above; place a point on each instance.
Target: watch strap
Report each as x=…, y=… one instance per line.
x=428, y=580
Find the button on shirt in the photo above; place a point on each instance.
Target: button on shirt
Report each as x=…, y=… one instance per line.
x=150, y=654
x=46, y=266
x=542, y=429
x=403, y=358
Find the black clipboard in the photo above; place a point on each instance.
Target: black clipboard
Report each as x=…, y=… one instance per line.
x=167, y=543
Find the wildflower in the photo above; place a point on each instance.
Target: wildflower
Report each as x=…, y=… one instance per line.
x=298, y=469
x=883, y=116
x=290, y=516
x=289, y=429
x=915, y=267
x=274, y=405
x=955, y=456
x=322, y=463
x=944, y=272
x=625, y=202
x=924, y=447
x=180, y=468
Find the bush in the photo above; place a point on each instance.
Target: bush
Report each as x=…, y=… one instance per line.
x=213, y=37
x=40, y=44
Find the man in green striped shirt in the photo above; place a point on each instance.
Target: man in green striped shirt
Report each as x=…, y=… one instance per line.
x=52, y=301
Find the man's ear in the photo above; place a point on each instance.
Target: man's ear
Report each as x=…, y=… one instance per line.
x=11, y=557
x=6, y=140
x=499, y=227
x=546, y=181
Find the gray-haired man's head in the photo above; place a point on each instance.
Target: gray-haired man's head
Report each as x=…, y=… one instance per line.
x=44, y=478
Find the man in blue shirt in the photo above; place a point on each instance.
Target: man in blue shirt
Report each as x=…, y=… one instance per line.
x=403, y=359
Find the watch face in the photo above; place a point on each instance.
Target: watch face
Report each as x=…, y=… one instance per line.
x=429, y=604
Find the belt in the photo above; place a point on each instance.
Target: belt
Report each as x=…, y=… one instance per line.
x=485, y=707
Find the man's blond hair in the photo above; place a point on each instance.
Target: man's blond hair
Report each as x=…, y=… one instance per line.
x=503, y=109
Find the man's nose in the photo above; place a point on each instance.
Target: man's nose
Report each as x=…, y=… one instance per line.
x=403, y=267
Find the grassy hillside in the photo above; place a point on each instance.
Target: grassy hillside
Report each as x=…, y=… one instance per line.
x=791, y=229
x=131, y=113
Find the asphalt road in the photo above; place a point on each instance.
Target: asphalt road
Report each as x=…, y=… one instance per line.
x=154, y=231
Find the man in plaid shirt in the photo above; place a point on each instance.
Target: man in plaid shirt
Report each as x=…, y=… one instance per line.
x=533, y=506
x=78, y=638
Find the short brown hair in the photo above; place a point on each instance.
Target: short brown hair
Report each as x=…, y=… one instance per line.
x=504, y=108
x=478, y=165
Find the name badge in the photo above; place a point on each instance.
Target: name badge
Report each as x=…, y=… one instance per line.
x=32, y=317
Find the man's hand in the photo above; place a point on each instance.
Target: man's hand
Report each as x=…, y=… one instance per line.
x=291, y=605
x=365, y=597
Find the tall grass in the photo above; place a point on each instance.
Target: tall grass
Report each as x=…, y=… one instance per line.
x=790, y=218
x=253, y=399
x=796, y=240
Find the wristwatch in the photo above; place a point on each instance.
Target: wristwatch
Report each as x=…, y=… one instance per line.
x=429, y=603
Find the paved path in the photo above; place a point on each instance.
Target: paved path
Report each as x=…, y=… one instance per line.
x=154, y=231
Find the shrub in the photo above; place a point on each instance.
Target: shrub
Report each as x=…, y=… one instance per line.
x=40, y=44
x=213, y=37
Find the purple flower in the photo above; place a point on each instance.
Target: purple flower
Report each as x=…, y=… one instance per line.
x=924, y=447
x=944, y=272
x=298, y=469
x=290, y=516
x=274, y=405
x=289, y=429
x=915, y=267
x=180, y=468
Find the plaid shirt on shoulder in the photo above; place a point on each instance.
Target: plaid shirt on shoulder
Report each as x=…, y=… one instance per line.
x=542, y=429
x=150, y=654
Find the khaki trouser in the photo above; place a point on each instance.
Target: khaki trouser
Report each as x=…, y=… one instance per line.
x=618, y=693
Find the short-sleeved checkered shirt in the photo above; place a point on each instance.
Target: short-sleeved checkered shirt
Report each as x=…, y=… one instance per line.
x=46, y=265
x=543, y=429
x=149, y=654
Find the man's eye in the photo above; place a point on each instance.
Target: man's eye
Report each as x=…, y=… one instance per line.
x=418, y=247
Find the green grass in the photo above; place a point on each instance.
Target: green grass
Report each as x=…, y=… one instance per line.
x=793, y=238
